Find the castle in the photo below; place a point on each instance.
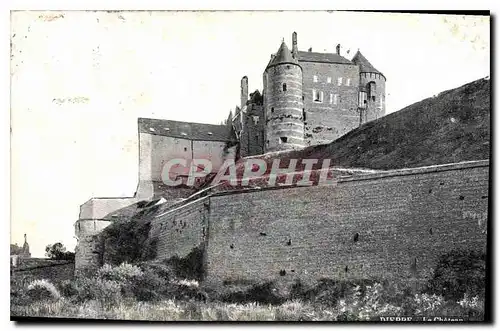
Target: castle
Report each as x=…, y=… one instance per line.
x=308, y=98
x=372, y=225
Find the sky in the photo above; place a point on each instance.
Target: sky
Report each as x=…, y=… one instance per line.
x=80, y=80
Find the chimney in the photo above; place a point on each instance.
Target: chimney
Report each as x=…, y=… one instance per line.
x=25, y=239
x=295, y=50
x=244, y=91
x=338, y=49
x=310, y=49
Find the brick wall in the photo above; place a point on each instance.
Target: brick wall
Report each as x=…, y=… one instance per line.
x=327, y=121
x=403, y=221
x=180, y=230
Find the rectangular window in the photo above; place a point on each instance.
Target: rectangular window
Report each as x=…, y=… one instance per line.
x=317, y=96
x=362, y=99
x=329, y=80
x=339, y=81
x=335, y=97
x=331, y=98
x=315, y=78
x=348, y=83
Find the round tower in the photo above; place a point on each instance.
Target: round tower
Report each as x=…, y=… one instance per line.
x=371, y=90
x=283, y=103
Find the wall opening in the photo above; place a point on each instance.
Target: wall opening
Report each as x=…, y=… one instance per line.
x=284, y=87
x=272, y=109
x=282, y=272
x=231, y=246
x=356, y=237
x=283, y=139
x=430, y=231
x=289, y=242
x=263, y=234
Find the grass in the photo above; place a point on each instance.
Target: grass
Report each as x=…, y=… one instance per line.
x=131, y=292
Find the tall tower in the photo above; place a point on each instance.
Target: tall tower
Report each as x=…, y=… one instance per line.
x=283, y=103
x=371, y=90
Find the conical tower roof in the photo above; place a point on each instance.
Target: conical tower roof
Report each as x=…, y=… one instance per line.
x=364, y=64
x=283, y=56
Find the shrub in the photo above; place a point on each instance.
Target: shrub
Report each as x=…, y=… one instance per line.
x=105, y=291
x=163, y=270
x=148, y=286
x=123, y=273
x=457, y=273
x=42, y=290
x=190, y=266
x=68, y=289
x=262, y=293
x=365, y=304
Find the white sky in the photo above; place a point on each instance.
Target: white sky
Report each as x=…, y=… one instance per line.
x=79, y=82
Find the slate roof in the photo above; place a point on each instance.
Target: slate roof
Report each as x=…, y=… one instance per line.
x=283, y=56
x=364, y=64
x=322, y=57
x=185, y=130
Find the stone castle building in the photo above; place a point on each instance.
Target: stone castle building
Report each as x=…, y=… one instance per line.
x=308, y=98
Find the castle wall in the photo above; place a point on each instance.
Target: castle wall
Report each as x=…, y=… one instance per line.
x=98, y=208
x=88, y=250
x=326, y=121
x=156, y=150
x=179, y=231
x=404, y=221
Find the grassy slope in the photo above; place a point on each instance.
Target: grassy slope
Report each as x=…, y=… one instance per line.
x=451, y=127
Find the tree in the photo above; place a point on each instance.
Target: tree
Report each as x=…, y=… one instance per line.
x=15, y=249
x=57, y=251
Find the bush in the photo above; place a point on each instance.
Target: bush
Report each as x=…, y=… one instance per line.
x=148, y=286
x=458, y=273
x=105, y=291
x=42, y=290
x=190, y=266
x=123, y=273
x=262, y=293
x=163, y=270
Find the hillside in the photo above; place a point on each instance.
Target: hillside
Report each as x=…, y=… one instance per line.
x=453, y=126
